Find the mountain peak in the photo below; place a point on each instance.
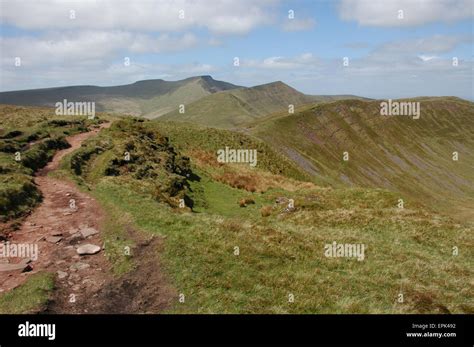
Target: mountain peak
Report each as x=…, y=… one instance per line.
x=274, y=85
x=206, y=77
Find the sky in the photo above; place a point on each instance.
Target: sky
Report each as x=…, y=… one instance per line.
x=372, y=48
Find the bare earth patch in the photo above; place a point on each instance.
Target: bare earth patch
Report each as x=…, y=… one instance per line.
x=66, y=219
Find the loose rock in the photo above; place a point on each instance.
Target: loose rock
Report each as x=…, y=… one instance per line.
x=88, y=232
x=88, y=249
x=54, y=239
x=62, y=274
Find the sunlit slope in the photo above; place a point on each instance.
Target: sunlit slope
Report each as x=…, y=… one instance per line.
x=281, y=250
x=236, y=107
x=411, y=156
x=149, y=98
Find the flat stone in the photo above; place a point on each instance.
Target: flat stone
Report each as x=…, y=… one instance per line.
x=88, y=248
x=79, y=266
x=54, y=239
x=23, y=266
x=74, y=277
x=62, y=274
x=76, y=237
x=88, y=232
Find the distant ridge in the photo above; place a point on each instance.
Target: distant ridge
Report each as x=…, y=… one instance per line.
x=235, y=107
x=208, y=101
x=148, y=98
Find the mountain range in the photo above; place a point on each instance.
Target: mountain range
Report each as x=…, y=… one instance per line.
x=150, y=98
x=336, y=170
x=229, y=104
x=402, y=154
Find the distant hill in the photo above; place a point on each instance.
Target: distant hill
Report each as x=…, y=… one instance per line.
x=411, y=156
x=149, y=98
x=236, y=107
x=208, y=101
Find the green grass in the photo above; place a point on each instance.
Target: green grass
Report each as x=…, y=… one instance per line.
x=412, y=157
x=35, y=134
x=409, y=250
x=189, y=137
x=30, y=297
x=217, y=198
x=233, y=108
x=280, y=254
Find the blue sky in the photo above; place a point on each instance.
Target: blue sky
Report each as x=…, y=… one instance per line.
x=390, y=53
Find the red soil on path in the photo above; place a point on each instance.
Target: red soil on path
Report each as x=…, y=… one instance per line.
x=57, y=227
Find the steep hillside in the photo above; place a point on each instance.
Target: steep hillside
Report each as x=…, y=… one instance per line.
x=241, y=243
x=238, y=238
x=149, y=98
x=235, y=107
x=411, y=156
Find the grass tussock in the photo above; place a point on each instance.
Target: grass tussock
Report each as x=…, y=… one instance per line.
x=30, y=297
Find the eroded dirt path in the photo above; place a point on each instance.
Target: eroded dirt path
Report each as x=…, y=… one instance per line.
x=66, y=219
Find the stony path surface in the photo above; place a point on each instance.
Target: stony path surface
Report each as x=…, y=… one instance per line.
x=66, y=219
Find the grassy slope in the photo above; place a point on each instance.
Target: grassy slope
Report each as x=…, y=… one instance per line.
x=411, y=156
x=30, y=297
x=35, y=133
x=235, y=107
x=149, y=98
x=409, y=251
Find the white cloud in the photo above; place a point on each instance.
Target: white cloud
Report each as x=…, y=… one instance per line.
x=162, y=43
x=420, y=66
x=221, y=17
x=67, y=48
x=301, y=61
x=299, y=24
x=97, y=73
x=427, y=57
x=415, y=12
x=432, y=44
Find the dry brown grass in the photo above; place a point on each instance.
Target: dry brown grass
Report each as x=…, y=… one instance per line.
x=231, y=225
x=253, y=180
x=266, y=211
x=204, y=158
x=239, y=181
x=242, y=176
x=246, y=201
